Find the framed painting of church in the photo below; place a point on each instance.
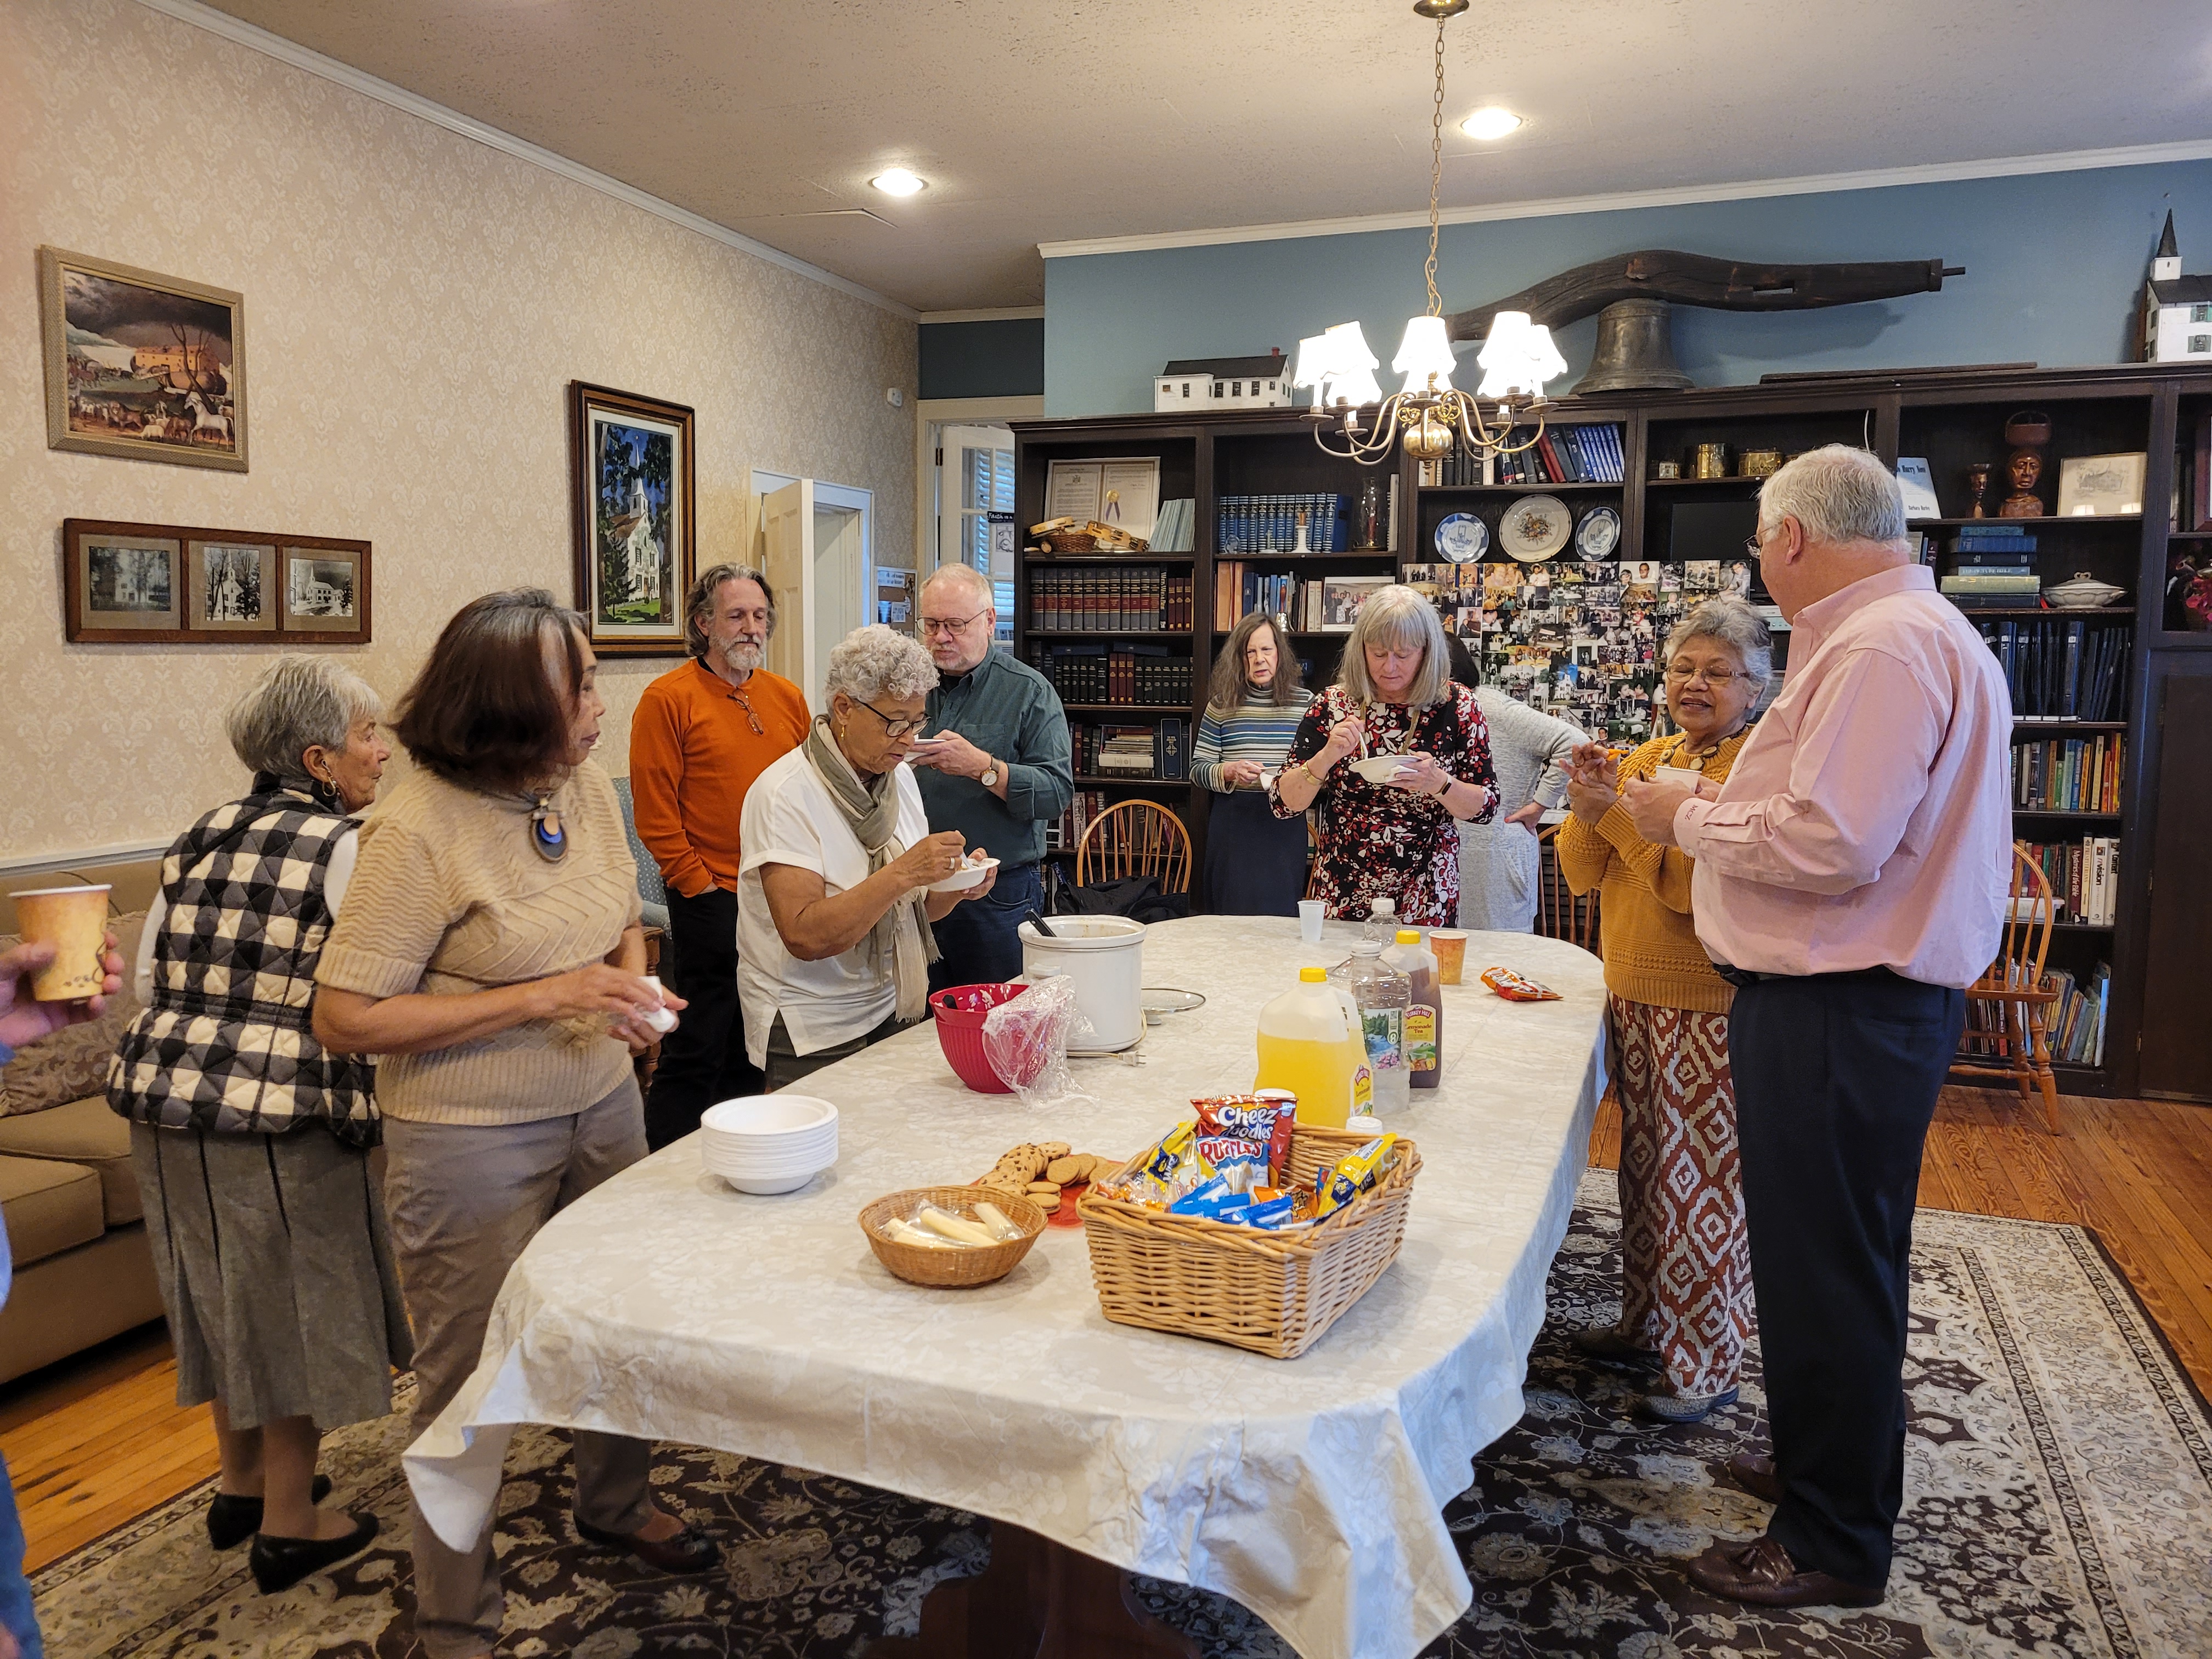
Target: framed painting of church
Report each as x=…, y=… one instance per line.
x=631, y=468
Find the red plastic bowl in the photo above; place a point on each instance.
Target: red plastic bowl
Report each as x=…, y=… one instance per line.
x=959, y=1013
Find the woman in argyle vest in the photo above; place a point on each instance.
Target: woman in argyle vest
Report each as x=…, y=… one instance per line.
x=251, y=1143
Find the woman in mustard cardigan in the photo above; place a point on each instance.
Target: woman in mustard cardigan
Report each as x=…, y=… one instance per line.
x=1680, y=1199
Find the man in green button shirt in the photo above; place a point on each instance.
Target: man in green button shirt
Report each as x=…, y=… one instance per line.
x=994, y=767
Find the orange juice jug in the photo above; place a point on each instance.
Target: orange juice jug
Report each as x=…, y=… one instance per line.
x=1310, y=1044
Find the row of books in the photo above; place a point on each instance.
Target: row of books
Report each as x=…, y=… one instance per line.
x=1174, y=525
x=1131, y=600
x=2069, y=774
x=2084, y=876
x=1143, y=676
x=1992, y=565
x=1269, y=524
x=1065, y=833
x=1564, y=455
x=1159, y=750
x=2073, y=1023
x=2063, y=670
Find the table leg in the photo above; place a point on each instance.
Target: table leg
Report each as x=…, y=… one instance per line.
x=1037, y=1600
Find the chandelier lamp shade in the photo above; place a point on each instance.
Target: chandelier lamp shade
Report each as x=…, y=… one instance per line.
x=1428, y=414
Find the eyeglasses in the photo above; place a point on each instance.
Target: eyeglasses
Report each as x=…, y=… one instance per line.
x=948, y=624
x=751, y=719
x=1755, y=543
x=1719, y=678
x=893, y=728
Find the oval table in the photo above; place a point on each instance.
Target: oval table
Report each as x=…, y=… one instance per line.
x=668, y=1306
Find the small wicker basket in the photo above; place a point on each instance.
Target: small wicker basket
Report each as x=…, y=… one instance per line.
x=1072, y=541
x=953, y=1268
x=1274, y=1293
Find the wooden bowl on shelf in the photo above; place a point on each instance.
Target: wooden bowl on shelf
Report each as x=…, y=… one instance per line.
x=957, y=1267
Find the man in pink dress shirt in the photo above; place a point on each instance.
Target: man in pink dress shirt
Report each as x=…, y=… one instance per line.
x=1852, y=875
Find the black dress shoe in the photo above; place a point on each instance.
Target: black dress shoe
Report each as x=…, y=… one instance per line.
x=1762, y=1573
x=1756, y=1476
x=232, y=1520
x=1606, y=1345
x=280, y=1563
x=692, y=1550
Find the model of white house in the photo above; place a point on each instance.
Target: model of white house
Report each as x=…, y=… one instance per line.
x=1224, y=383
x=2177, y=314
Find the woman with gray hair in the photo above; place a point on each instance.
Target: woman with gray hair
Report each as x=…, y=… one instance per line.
x=1686, y=1263
x=250, y=1142
x=835, y=896
x=1396, y=714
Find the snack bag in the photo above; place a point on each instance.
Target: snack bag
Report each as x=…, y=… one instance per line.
x=1215, y=1199
x=1274, y=1216
x=1171, y=1167
x=1264, y=1117
x=1514, y=989
x=1243, y=1163
x=1355, y=1173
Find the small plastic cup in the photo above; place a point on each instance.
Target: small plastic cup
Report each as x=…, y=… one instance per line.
x=1449, y=946
x=1310, y=912
x=74, y=920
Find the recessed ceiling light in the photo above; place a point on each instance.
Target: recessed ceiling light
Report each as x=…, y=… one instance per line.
x=899, y=182
x=1492, y=121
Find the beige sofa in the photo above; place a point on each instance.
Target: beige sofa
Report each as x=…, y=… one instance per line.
x=83, y=1272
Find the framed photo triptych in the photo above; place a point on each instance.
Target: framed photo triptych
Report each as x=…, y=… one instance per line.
x=147, y=583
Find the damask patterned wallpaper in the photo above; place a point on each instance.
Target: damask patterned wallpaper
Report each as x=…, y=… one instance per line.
x=416, y=306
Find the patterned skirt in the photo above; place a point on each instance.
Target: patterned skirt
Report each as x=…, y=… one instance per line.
x=1686, y=1263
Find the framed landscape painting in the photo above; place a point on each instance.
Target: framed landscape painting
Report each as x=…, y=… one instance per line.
x=631, y=465
x=141, y=366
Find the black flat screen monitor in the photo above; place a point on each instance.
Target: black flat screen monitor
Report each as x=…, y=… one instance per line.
x=1712, y=529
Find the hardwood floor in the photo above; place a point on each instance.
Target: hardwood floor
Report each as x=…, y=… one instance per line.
x=99, y=1439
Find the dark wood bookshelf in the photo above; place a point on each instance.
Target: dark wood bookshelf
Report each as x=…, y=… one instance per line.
x=2053, y=726
x=1079, y=561
x=1952, y=417
x=2045, y=812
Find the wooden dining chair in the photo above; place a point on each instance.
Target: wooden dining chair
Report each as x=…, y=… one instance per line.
x=1560, y=912
x=2008, y=1009
x=1135, y=838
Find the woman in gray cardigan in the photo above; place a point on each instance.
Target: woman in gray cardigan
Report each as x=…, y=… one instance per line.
x=1499, y=862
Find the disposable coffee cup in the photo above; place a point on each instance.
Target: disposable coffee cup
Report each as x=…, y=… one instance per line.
x=1449, y=946
x=1310, y=911
x=74, y=920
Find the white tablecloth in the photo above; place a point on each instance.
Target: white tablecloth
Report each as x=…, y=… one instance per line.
x=668, y=1306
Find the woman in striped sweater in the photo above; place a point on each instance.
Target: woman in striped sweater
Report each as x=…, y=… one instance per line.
x=1255, y=862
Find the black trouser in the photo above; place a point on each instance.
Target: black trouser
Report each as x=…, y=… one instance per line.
x=977, y=943
x=1836, y=1079
x=703, y=1059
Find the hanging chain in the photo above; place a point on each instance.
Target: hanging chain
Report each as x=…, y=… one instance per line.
x=1436, y=174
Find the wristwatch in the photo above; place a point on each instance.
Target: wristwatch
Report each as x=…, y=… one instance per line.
x=989, y=776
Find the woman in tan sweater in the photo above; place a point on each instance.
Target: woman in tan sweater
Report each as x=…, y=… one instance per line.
x=1686, y=1266
x=489, y=950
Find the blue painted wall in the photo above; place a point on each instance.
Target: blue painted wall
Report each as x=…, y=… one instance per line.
x=992, y=357
x=2054, y=264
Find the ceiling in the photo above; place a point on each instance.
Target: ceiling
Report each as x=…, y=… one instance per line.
x=1086, y=119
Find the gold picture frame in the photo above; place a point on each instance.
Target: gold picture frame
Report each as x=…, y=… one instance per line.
x=140, y=365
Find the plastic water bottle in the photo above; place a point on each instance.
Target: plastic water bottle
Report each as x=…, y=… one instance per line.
x=1381, y=929
x=1382, y=995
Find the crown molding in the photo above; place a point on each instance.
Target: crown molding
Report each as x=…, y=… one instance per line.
x=290, y=52
x=2195, y=149
x=986, y=314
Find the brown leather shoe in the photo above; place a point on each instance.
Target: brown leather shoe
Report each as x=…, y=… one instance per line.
x=1762, y=1573
x=691, y=1550
x=1756, y=1476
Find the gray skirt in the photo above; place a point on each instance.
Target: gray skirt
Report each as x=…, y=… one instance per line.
x=276, y=1271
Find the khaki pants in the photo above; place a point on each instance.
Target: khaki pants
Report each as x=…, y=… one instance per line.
x=463, y=1202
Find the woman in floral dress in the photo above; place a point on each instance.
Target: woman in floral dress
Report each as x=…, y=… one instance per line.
x=1395, y=839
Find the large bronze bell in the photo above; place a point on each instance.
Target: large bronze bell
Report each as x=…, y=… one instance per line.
x=1635, y=349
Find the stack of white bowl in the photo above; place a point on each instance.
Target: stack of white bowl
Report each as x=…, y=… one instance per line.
x=769, y=1143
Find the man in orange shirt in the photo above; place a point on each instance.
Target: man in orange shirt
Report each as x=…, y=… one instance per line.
x=700, y=736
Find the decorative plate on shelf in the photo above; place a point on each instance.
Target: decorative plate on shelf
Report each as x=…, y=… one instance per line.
x=1598, y=535
x=1535, y=528
x=1462, y=538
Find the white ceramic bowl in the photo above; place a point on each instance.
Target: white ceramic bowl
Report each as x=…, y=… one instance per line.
x=961, y=880
x=1379, y=768
x=768, y=1116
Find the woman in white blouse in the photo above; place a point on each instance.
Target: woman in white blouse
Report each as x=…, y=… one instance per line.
x=833, y=902
x=1500, y=862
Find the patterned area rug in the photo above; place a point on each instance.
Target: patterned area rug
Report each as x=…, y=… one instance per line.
x=2058, y=1503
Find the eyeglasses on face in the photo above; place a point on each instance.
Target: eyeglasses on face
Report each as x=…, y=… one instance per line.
x=1682, y=673
x=949, y=624
x=893, y=728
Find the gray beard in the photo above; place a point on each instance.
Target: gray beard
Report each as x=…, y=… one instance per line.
x=740, y=656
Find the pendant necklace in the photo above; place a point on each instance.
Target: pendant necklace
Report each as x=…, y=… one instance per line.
x=546, y=834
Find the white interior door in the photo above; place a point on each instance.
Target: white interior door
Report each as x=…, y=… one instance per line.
x=814, y=549
x=975, y=482
x=787, y=561
x=839, y=599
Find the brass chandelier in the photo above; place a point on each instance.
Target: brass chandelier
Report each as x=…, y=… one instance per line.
x=1428, y=414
